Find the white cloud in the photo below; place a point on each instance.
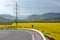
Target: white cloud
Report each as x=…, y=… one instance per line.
x=57, y=3
x=6, y=6
x=4, y=9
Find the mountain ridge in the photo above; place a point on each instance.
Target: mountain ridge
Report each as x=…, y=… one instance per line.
x=47, y=17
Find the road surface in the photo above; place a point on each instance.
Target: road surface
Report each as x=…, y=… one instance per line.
x=15, y=35
x=19, y=35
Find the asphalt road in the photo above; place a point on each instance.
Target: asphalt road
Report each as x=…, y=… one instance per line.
x=19, y=35
x=15, y=35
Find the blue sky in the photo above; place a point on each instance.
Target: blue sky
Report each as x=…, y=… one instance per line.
x=28, y=7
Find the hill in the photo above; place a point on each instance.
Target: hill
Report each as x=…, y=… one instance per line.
x=11, y=17
x=7, y=16
x=47, y=17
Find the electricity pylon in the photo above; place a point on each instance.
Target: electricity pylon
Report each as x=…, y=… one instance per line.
x=16, y=14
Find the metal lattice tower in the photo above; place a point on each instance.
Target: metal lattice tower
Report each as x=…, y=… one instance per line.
x=16, y=14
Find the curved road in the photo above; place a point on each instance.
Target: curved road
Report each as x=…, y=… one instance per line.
x=19, y=35
x=15, y=35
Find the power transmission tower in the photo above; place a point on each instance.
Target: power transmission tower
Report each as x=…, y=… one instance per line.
x=16, y=14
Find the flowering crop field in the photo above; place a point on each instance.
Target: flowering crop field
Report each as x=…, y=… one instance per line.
x=52, y=29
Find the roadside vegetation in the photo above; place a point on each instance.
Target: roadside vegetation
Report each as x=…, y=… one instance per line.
x=52, y=29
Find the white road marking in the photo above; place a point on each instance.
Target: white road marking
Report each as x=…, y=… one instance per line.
x=32, y=35
x=36, y=31
x=9, y=32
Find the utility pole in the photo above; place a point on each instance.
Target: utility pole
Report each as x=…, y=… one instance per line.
x=16, y=14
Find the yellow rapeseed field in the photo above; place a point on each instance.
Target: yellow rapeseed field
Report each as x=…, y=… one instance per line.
x=52, y=29
x=4, y=26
